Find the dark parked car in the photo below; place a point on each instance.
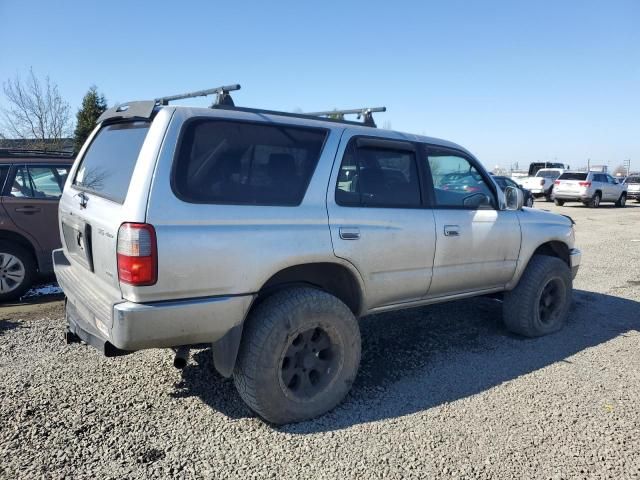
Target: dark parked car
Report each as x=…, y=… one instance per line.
x=504, y=182
x=30, y=187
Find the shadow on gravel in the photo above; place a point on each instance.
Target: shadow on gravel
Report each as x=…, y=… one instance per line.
x=413, y=360
x=6, y=325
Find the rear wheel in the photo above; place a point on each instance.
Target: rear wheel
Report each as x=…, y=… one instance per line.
x=622, y=201
x=299, y=355
x=17, y=270
x=559, y=202
x=540, y=302
x=595, y=200
x=548, y=196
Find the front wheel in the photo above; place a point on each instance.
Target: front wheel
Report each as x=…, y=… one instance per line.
x=299, y=355
x=530, y=202
x=17, y=270
x=540, y=302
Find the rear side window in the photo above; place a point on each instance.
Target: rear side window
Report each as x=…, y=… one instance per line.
x=573, y=176
x=108, y=164
x=43, y=182
x=223, y=162
x=378, y=177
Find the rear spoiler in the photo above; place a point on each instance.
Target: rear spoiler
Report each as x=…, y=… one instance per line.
x=142, y=110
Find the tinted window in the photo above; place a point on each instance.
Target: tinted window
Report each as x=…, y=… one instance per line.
x=378, y=177
x=107, y=166
x=457, y=183
x=553, y=174
x=599, y=178
x=39, y=182
x=573, y=176
x=246, y=163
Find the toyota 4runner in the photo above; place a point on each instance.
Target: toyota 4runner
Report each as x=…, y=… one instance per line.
x=267, y=234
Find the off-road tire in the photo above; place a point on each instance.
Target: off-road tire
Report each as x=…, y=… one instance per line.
x=29, y=270
x=522, y=305
x=622, y=201
x=269, y=333
x=595, y=200
x=558, y=202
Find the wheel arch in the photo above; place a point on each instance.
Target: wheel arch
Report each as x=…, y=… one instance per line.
x=331, y=277
x=13, y=237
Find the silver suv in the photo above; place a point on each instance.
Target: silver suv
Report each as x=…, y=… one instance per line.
x=590, y=188
x=267, y=234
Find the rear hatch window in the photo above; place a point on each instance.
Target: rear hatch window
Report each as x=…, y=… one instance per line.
x=632, y=180
x=573, y=176
x=108, y=164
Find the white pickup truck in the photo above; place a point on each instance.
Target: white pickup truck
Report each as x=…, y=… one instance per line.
x=541, y=185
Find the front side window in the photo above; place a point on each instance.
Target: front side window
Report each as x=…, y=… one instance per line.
x=375, y=176
x=39, y=182
x=108, y=164
x=223, y=162
x=456, y=181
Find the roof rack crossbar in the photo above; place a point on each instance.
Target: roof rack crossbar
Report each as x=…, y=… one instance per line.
x=222, y=95
x=366, y=113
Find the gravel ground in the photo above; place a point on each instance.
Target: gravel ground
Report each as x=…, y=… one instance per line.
x=444, y=391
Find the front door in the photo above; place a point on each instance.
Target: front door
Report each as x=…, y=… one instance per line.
x=378, y=218
x=477, y=244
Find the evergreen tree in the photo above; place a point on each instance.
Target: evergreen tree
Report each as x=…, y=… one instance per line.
x=93, y=105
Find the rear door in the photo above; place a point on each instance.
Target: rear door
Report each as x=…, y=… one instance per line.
x=378, y=218
x=477, y=243
x=32, y=202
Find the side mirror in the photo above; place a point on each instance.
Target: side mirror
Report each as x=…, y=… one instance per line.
x=514, y=198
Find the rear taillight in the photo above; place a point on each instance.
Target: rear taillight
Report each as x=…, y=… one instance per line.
x=542, y=181
x=557, y=182
x=584, y=184
x=137, y=254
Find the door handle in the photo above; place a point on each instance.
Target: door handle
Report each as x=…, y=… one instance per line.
x=349, y=233
x=451, y=230
x=28, y=210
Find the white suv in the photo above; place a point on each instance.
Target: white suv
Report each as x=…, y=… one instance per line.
x=590, y=188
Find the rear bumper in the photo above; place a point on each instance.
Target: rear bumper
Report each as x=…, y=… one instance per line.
x=575, y=256
x=122, y=326
x=571, y=197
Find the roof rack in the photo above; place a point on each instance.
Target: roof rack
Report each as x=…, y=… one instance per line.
x=19, y=152
x=222, y=95
x=366, y=113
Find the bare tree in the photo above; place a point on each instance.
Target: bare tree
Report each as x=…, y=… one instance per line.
x=620, y=171
x=36, y=113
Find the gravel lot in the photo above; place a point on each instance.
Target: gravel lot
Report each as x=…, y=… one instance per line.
x=444, y=391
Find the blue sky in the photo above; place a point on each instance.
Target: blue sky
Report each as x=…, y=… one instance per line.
x=510, y=80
